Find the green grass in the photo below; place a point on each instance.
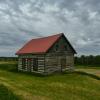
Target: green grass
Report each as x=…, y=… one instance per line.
x=95, y=70
x=6, y=94
x=65, y=86
x=88, y=66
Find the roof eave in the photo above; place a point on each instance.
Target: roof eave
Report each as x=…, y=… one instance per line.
x=30, y=53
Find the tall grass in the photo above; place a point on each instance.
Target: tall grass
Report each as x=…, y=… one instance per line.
x=6, y=94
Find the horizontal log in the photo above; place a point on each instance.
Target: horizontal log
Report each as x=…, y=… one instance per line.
x=38, y=71
x=40, y=60
x=40, y=65
x=51, y=66
x=39, y=68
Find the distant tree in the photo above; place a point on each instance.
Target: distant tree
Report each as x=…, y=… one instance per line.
x=88, y=60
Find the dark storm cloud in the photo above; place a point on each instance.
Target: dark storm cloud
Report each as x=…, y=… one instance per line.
x=21, y=20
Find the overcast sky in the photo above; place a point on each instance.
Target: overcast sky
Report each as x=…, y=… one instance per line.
x=22, y=20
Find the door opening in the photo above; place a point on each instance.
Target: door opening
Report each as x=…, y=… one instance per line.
x=35, y=64
x=63, y=63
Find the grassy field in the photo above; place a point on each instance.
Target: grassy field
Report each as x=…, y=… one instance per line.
x=89, y=69
x=6, y=94
x=65, y=86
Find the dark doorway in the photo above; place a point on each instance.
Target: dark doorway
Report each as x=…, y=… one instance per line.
x=63, y=63
x=35, y=64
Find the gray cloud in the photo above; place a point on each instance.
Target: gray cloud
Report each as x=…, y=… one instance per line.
x=9, y=39
x=22, y=20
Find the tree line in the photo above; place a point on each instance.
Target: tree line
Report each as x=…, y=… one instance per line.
x=88, y=60
x=8, y=58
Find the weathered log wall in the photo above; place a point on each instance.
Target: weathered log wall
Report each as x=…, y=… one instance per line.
x=53, y=62
x=40, y=63
x=48, y=63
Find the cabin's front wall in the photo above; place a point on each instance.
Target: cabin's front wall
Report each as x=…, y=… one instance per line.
x=29, y=68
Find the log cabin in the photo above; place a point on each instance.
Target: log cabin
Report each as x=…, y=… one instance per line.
x=46, y=55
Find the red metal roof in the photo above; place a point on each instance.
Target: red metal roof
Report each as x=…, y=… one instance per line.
x=39, y=45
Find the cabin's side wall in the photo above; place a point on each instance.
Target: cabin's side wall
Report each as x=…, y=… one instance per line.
x=58, y=62
x=59, y=57
x=51, y=63
x=27, y=68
